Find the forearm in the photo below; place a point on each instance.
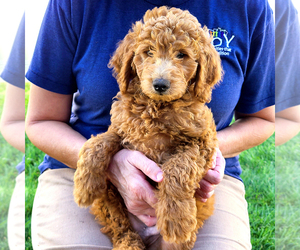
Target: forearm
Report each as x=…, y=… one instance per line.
x=14, y=133
x=243, y=134
x=287, y=124
x=285, y=130
x=12, y=123
x=57, y=139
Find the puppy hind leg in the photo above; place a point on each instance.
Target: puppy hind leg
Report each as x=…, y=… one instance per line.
x=204, y=210
x=110, y=211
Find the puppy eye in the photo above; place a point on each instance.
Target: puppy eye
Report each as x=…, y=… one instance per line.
x=180, y=55
x=149, y=53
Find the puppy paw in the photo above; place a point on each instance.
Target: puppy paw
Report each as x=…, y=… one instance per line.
x=182, y=246
x=87, y=189
x=128, y=248
x=90, y=176
x=88, y=186
x=177, y=221
x=175, y=232
x=129, y=241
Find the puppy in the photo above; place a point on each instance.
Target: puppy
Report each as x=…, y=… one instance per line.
x=166, y=68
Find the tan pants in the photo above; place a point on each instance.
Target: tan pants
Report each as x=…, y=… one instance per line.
x=16, y=215
x=58, y=223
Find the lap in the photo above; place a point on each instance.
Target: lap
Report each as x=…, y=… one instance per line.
x=228, y=228
x=58, y=223
x=16, y=215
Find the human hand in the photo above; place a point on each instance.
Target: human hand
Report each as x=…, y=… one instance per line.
x=212, y=178
x=127, y=172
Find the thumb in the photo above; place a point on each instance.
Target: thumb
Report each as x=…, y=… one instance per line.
x=149, y=221
x=147, y=166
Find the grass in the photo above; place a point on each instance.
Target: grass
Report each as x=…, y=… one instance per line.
x=259, y=178
x=9, y=158
x=287, y=195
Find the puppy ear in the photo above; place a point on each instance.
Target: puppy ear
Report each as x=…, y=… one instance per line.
x=209, y=72
x=121, y=62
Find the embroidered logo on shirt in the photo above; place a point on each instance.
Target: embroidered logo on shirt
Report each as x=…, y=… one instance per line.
x=221, y=41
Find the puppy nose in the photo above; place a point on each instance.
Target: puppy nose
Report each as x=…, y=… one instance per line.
x=161, y=85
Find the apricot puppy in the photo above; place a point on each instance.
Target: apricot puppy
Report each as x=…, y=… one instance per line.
x=166, y=68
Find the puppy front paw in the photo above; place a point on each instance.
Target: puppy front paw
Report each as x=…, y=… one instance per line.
x=86, y=190
x=174, y=232
x=88, y=185
x=90, y=179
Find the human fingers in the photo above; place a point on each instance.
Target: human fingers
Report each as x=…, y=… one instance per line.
x=139, y=225
x=131, y=183
x=147, y=166
x=126, y=175
x=140, y=202
x=205, y=187
x=212, y=178
x=216, y=173
x=149, y=221
x=205, y=191
x=141, y=190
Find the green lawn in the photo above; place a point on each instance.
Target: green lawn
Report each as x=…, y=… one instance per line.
x=9, y=158
x=287, y=195
x=259, y=177
x=258, y=174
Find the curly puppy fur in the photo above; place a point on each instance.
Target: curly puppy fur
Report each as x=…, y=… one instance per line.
x=166, y=68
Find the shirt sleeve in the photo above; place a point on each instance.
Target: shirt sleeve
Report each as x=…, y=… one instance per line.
x=14, y=71
x=287, y=55
x=258, y=90
x=51, y=64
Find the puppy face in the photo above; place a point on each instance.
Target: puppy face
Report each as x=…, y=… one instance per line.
x=164, y=69
x=167, y=52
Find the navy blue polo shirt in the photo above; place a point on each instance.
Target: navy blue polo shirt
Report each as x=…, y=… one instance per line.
x=287, y=55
